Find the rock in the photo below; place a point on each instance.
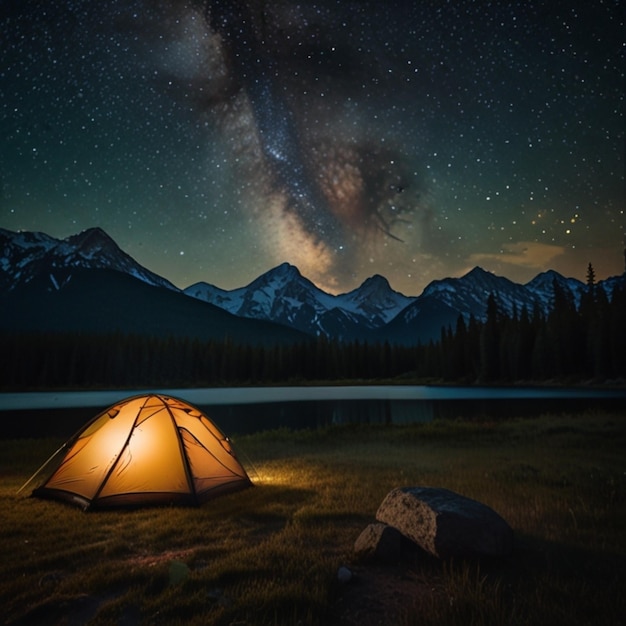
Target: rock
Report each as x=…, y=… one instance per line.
x=382, y=542
x=446, y=524
x=344, y=575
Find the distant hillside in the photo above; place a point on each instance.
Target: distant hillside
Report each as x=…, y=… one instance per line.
x=104, y=301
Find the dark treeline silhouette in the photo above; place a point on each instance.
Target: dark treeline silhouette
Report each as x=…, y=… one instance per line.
x=71, y=360
x=571, y=342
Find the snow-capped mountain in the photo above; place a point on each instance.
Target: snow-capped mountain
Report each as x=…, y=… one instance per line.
x=66, y=276
x=468, y=294
x=26, y=255
x=376, y=300
x=283, y=295
x=86, y=284
x=442, y=301
x=542, y=288
x=611, y=283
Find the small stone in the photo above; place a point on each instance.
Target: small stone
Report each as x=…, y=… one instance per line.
x=344, y=575
x=381, y=542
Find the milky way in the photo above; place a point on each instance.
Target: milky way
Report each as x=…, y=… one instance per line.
x=215, y=139
x=326, y=193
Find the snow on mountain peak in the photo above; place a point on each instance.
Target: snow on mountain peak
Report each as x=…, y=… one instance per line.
x=279, y=292
x=33, y=254
x=282, y=295
x=277, y=277
x=375, y=299
x=469, y=293
x=25, y=239
x=542, y=287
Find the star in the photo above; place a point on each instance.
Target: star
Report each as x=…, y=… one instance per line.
x=406, y=139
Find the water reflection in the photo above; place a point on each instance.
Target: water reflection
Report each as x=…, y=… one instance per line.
x=318, y=413
x=243, y=419
x=242, y=411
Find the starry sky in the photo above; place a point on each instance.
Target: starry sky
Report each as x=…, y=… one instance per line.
x=216, y=139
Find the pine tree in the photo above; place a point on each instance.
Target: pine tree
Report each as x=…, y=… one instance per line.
x=588, y=299
x=565, y=333
x=490, y=342
x=598, y=336
x=524, y=345
x=617, y=331
x=458, y=350
x=591, y=277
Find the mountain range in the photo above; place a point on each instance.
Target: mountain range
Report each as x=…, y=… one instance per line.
x=86, y=283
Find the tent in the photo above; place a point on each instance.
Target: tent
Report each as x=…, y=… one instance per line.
x=144, y=450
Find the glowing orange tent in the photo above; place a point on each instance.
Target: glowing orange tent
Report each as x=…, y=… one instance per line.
x=144, y=450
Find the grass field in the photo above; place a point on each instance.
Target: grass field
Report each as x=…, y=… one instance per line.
x=270, y=554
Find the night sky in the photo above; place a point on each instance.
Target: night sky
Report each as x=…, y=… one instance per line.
x=214, y=140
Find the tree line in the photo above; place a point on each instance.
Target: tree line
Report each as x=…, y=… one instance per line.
x=571, y=342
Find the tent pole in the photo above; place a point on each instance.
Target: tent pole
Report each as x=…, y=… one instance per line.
x=183, y=455
x=70, y=442
x=103, y=482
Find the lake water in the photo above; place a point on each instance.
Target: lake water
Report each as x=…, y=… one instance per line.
x=250, y=409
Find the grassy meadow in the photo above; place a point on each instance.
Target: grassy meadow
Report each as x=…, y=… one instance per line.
x=270, y=554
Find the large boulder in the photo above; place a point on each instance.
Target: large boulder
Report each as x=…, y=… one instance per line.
x=446, y=524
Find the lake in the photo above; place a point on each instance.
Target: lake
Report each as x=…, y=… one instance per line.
x=245, y=410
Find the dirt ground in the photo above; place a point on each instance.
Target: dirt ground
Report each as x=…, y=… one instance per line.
x=379, y=595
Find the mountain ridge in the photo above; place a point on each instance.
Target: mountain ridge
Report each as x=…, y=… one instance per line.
x=283, y=294
x=36, y=263
x=35, y=253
